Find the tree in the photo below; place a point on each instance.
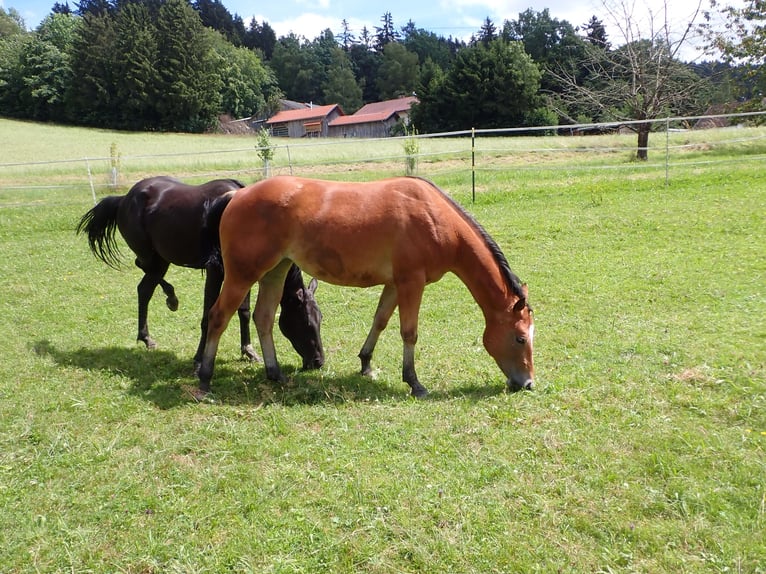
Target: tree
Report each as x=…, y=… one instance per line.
x=491, y=86
x=398, y=72
x=346, y=38
x=261, y=37
x=641, y=80
x=90, y=97
x=595, y=33
x=297, y=69
x=386, y=33
x=216, y=16
x=135, y=67
x=365, y=63
x=248, y=87
x=742, y=38
x=189, y=96
x=341, y=87
x=14, y=42
x=11, y=22
x=47, y=68
x=549, y=42
x=488, y=32
x=428, y=45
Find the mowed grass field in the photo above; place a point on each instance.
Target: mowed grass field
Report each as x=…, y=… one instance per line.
x=642, y=448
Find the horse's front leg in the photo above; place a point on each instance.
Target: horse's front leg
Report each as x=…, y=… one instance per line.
x=244, y=330
x=386, y=306
x=410, y=296
x=217, y=320
x=270, y=288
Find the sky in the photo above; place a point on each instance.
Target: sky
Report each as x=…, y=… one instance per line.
x=457, y=18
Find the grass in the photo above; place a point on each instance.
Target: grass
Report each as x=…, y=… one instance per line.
x=643, y=448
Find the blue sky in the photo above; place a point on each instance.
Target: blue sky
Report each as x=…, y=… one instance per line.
x=456, y=18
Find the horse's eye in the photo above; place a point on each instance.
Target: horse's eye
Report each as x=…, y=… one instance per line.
x=521, y=340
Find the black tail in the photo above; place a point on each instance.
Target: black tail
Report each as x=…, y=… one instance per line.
x=211, y=220
x=99, y=224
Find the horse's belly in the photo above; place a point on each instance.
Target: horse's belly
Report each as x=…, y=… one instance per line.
x=347, y=267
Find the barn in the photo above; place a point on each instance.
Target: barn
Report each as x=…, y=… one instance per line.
x=312, y=121
x=375, y=120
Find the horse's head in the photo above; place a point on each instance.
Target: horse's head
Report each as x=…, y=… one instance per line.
x=509, y=340
x=300, y=319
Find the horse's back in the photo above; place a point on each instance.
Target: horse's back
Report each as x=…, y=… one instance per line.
x=165, y=217
x=347, y=233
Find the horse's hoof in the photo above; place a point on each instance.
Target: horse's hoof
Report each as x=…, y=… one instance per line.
x=249, y=353
x=149, y=342
x=172, y=303
x=198, y=394
x=419, y=392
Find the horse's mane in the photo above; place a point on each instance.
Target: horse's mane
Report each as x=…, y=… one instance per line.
x=511, y=279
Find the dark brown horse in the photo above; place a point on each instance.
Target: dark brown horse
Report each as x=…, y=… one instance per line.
x=166, y=222
x=402, y=233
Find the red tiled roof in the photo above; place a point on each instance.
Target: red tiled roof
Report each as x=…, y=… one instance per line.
x=375, y=112
x=359, y=119
x=388, y=106
x=303, y=114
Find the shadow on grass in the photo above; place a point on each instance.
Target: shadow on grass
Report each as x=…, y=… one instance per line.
x=167, y=381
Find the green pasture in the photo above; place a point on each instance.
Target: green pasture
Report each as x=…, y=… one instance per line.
x=642, y=448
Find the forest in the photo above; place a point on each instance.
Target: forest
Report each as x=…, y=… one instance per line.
x=180, y=65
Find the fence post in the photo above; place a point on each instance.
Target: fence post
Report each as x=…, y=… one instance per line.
x=289, y=159
x=667, y=151
x=90, y=180
x=473, y=165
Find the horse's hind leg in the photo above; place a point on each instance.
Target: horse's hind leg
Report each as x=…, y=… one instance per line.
x=410, y=297
x=145, y=289
x=386, y=306
x=171, y=300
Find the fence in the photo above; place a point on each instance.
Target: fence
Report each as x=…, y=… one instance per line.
x=674, y=145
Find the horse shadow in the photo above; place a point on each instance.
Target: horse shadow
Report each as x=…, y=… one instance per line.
x=167, y=381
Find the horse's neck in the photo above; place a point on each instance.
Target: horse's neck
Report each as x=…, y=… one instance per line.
x=479, y=271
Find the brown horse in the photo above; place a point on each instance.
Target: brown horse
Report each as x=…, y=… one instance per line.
x=402, y=233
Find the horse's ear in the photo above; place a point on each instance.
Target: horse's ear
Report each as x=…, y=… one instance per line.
x=313, y=285
x=525, y=290
x=520, y=304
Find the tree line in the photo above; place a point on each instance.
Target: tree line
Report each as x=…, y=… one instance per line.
x=177, y=65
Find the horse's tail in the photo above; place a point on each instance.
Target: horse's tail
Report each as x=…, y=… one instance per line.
x=99, y=225
x=211, y=220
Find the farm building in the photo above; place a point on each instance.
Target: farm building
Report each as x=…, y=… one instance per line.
x=312, y=121
x=374, y=120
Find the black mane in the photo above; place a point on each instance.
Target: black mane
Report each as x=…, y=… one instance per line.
x=511, y=279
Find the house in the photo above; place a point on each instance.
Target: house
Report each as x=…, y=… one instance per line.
x=374, y=120
x=312, y=121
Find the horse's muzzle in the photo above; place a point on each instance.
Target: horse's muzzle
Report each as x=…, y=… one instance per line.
x=520, y=385
x=311, y=364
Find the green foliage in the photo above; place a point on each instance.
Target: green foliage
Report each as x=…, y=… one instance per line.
x=189, y=97
x=398, y=72
x=247, y=84
x=411, y=151
x=137, y=84
x=265, y=149
x=489, y=86
x=743, y=37
x=11, y=23
x=341, y=86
